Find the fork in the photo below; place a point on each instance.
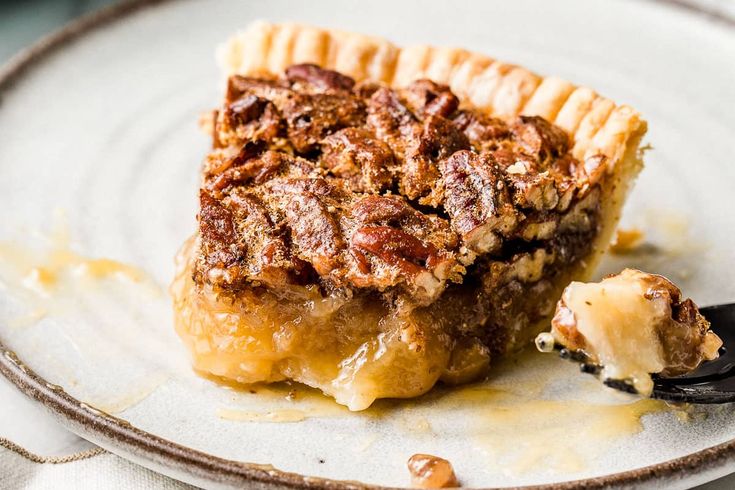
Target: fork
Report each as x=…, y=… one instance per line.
x=712, y=382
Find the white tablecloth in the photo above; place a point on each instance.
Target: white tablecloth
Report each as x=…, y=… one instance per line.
x=36, y=453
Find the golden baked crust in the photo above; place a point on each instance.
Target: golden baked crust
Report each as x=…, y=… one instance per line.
x=597, y=124
x=350, y=335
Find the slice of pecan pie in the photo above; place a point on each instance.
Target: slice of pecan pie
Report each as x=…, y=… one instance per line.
x=375, y=219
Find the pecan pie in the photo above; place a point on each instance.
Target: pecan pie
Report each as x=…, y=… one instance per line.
x=633, y=324
x=375, y=219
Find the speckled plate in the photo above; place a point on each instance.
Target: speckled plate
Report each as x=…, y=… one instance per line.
x=98, y=131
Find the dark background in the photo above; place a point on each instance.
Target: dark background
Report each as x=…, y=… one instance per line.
x=24, y=21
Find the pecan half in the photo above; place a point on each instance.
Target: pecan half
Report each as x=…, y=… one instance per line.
x=358, y=156
x=392, y=121
x=245, y=167
x=249, y=118
x=401, y=254
x=376, y=209
x=274, y=90
x=245, y=109
x=269, y=258
x=534, y=191
x=318, y=77
x=395, y=211
x=484, y=132
x=439, y=138
x=220, y=245
x=311, y=218
x=395, y=247
x=311, y=117
x=429, y=98
x=476, y=199
x=539, y=137
x=406, y=242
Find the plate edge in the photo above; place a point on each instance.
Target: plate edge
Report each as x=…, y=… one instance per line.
x=79, y=417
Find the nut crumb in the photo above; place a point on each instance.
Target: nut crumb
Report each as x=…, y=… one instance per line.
x=626, y=241
x=429, y=471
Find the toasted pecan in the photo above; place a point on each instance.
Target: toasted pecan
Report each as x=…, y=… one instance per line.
x=372, y=187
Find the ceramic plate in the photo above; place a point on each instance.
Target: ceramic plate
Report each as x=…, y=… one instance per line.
x=99, y=158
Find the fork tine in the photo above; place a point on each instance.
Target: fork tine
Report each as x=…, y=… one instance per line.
x=703, y=393
x=620, y=385
x=589, y=368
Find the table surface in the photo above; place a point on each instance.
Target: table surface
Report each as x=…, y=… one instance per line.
x=27, y=425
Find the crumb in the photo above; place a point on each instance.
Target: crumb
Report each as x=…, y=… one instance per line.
x=429, y=471
x=626, y=241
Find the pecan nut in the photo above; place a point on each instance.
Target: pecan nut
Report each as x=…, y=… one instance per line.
x=311, y=117
x=477, y=201
x=245, y=167
x=358, y=156
x=245, y=109
x=318, y=77
x=392, y=121
x=400, y=254
x=439, y=138
x=395, y=247
x=312, y=221
x=376, y=209
x=220, y=245
x=539, y=137
x=429, y=98
x=484, y=132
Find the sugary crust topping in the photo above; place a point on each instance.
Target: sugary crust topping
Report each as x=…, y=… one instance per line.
x=596, y=124
x=316, y=178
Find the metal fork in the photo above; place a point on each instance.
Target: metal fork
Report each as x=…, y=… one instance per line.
x=711, y=382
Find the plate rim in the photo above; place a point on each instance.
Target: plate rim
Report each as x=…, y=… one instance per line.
x=145, y=447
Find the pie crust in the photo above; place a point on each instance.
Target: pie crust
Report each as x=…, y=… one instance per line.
x=352, y=347
x=596, y=124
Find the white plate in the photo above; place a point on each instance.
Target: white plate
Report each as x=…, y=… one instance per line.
x=104, y=128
